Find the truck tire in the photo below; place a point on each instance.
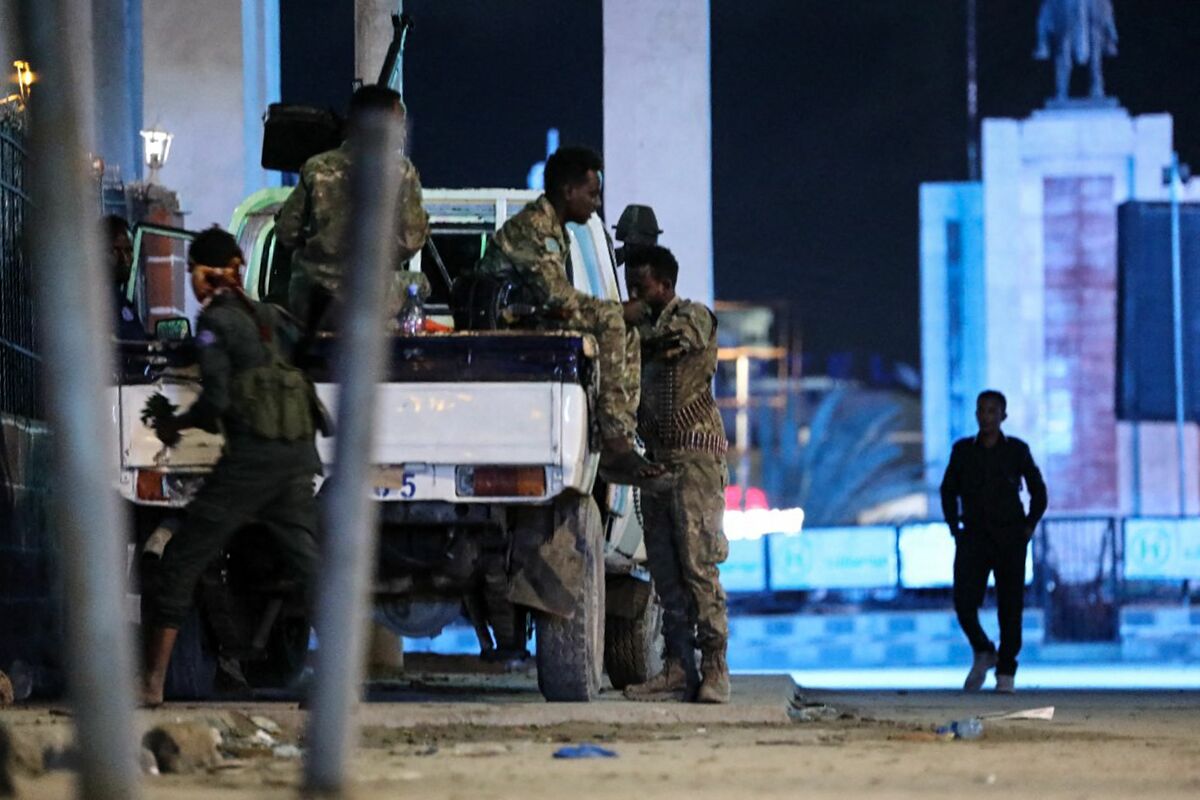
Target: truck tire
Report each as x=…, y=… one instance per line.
x=633, y=648
x=286, y=655
x=193, y=668
x=570, y=652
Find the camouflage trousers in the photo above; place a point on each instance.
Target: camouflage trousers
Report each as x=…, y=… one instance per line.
x=684, y=545
x=620, y=363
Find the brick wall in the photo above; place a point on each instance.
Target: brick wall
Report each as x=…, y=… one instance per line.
x=30, y=600
x=1080, y=229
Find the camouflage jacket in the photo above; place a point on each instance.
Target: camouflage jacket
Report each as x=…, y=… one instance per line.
x=535, y=245
x=678, y=413
x=314, y=221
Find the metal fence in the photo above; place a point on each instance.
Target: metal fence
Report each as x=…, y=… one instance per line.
x=1081, y=570
x=20, y=363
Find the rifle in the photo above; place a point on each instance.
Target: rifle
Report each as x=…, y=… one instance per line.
x=392, y=73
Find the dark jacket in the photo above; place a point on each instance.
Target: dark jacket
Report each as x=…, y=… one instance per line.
x=988, y=482
x=228, y=341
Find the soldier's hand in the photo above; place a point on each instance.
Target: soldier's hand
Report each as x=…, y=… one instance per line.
x=634, y=311
x=157, y=406
x=167, y=431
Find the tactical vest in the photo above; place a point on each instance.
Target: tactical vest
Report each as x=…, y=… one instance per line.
x=274, y=400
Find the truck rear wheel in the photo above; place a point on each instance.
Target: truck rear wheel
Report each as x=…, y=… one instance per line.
x=570, y=652
x=633, y=648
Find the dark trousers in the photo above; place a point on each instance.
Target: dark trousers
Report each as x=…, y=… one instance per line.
x=978, y=553
x=280, y=496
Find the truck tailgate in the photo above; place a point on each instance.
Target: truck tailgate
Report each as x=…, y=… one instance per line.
x=464, y=423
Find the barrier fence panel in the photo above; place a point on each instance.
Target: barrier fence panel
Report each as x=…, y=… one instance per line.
x=1077, y=579
x=19, y=359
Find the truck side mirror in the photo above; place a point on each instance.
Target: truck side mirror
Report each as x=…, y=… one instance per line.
x=173, y=329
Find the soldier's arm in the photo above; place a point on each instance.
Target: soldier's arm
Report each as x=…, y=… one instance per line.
x=413, y=229
x=535, y=252
x=290, y=219
x=216, y=371
x=686, y=332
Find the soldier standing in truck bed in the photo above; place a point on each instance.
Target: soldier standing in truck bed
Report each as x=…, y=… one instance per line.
x=534, y=247
x=314, y=221
x=679, y=421
x=266, y=410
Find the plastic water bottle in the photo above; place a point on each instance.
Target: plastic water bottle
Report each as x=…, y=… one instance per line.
x=970, y=728
x=412, y=313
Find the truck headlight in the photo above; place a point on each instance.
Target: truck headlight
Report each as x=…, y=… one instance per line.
x=500, y=481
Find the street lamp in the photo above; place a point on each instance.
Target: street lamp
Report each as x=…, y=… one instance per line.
x=156, y=145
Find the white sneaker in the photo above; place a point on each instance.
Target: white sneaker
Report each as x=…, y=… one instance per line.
x=1004, y=684
x=979, y=670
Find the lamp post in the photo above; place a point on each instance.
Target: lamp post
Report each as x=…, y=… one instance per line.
x=1174, y=175
x=156, y=147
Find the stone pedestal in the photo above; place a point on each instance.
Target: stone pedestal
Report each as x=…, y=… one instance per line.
x=1041, y=323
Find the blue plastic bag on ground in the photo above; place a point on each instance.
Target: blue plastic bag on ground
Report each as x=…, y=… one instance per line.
x=584, y=750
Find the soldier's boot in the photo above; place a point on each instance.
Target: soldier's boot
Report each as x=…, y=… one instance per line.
x=670, y=684
x=159, y=644
x=715, y=686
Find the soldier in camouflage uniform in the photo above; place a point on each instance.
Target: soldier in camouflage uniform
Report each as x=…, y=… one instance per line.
x=535, y=248
x=682, y=428
x=314, y=221
x=266, y=410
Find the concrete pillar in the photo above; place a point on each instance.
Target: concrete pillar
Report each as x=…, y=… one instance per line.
x=658, y=126
x=117, y=57
x=372, y=35
x=210, y=69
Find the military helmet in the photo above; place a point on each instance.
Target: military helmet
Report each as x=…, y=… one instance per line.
x=637, y=225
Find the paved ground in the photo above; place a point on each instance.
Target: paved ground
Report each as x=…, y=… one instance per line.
x=464, y=736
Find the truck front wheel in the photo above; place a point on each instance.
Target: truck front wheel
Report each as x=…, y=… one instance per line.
x=633, y=647
x=570, y=651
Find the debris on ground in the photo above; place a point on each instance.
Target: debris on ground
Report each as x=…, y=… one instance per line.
x=36, y=749
x=969, y=728
x=585, y=750
x=181, y=747
x=1045, y=714
x=287, y=751
x=812, y=712
x=476, y=749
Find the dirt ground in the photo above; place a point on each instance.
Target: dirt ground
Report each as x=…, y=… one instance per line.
x=449, y=738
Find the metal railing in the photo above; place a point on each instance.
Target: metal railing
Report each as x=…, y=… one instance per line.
x=20, y=360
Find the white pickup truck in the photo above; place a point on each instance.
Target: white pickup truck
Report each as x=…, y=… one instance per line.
x=485, y=464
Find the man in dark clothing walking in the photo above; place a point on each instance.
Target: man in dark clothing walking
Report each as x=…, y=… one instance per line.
x=991, y=533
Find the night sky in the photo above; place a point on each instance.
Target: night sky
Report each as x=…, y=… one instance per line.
x=827, y=115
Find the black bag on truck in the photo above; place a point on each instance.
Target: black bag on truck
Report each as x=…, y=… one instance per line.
x=293, y=134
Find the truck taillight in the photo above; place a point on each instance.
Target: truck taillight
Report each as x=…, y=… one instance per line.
x=150, y=486
x=165, y=487
x=501, y=481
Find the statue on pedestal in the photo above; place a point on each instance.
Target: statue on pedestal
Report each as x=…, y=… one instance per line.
x=1076, y=32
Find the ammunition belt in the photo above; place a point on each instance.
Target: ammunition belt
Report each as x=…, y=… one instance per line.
x=693, y=441
x=702, y=409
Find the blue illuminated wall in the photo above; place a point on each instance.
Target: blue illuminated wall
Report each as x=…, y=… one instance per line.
x=953, y=332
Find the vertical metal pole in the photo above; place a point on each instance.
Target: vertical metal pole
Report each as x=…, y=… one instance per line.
x=350, y=514
x=1177, y=329
x=742, y=425
x=972, y=92
x=75, y=314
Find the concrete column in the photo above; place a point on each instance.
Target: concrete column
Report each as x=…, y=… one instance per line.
x=210, y=69
x=117, y=56
x=658, y=126
x=372, y=34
